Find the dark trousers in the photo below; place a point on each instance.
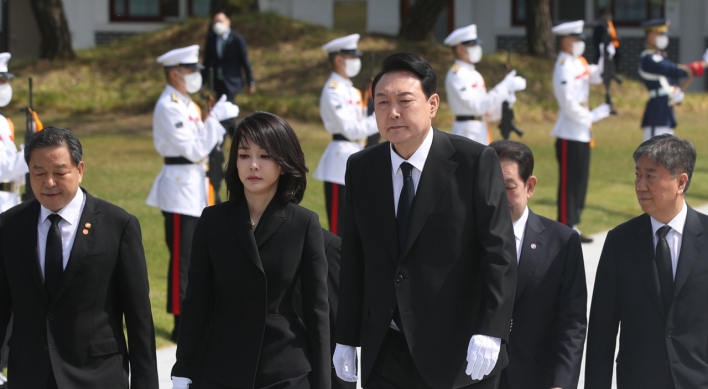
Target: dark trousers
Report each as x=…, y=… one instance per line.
x=178, y=235
x=334, y=198
x=394, y=368
x=300, y=382
x=51, y=381
x=574, y=172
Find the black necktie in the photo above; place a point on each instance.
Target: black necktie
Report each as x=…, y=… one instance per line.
x=404, y=204
x=664, y=268
x=53, y=258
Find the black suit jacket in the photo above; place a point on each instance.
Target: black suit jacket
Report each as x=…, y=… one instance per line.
x=81, y=332
x=456, y=274
x=239, y=325
x=233, y=59
x=658, y=349
x=550, y=308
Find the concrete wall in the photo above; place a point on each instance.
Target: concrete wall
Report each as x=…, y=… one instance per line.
x=24, y=39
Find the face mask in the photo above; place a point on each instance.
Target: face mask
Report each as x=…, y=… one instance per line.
x=662, y=42
x=5, y=94
x=475, y=53
x=352, y=66
x=220, y=28
x=193, y=82
x=578, y=48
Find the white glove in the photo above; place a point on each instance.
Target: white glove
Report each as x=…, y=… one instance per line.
x=224, y=109
x=678, y=96
x=180, y=383
x=705, y=56
x=482, y=354
x=602, y=111
x=611, y=51
x=513, y=82
x=344, y=361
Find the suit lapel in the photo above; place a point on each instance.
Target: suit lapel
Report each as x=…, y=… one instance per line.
x=31, y=253
x=437, y=173
x=645, y=261
x=82, y=243
x=240, y=221
x=273, y=217
x=691, y=246
x=530, y=257
x=384, y=205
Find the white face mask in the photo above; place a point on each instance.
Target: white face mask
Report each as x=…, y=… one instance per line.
x=475, y=53
x=220, y=28
x=352, y=66
x=5, y=94
x=578, y=48
x=193, y=82
x=662, y=42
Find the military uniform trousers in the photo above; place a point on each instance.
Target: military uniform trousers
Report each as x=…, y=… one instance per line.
x=574, y=173
x=334, y=198
x=178, y=236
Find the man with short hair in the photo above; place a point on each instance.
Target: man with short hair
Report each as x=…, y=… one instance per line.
x=652, y=280
x=467, y=92
x=549, y=319
x=72, y=269
x=343, y=115
x=428, y=261
x=184, y=141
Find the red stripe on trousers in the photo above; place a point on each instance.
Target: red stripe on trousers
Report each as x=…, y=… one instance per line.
x=564, y=182
x=334, y=212
x=176, y=243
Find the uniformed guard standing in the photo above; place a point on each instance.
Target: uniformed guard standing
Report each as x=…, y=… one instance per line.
x=467, y=93
x=12, y=162
x=572, y=77
x=661, y=77
x=343, y=116
x=181, y=188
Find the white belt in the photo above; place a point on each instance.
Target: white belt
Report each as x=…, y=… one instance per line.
x=658, y=93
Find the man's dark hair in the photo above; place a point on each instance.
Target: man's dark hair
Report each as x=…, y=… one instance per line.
x=676, y=154
x=509, y=150
x=55, y=137
x=409, y=63
x=275, y=135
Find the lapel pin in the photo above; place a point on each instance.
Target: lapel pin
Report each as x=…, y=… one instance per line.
x=88, y=225
x=533, y=246
x=85, y=231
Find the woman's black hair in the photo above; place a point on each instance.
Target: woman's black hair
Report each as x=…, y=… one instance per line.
x=275, y=135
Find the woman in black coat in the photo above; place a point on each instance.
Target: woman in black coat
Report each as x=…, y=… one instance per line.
x=239, y=327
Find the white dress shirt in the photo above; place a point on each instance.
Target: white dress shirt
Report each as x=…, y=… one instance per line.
x=520, y=231
x=417, y=160
x=69, y=224
x=673, y=237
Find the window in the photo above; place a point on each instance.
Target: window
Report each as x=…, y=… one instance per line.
x=130, y=10
x=199, y=7
x=631, y=12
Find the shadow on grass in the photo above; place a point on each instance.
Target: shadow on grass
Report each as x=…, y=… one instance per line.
x=163, y=333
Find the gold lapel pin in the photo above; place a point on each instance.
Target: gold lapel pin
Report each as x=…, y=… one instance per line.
x=88, y=225
x=85, y=231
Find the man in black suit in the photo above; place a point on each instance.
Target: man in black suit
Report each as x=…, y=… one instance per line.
x=549, y=319
x=225, y=52
x=428, y=260
x=653, y=281
x=72, y=267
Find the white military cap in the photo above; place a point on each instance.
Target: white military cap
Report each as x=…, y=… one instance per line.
x=569, y=28
x=4, y=58
x=462, y=35
x=186, y=56
x=347, y=44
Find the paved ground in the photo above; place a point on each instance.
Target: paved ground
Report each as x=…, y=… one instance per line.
x=591, y=252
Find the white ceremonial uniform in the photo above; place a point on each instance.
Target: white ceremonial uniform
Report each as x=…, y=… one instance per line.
x=178, y=131
x=12, y=167
x=467, y=96
x=342, y=113
x=571, y=84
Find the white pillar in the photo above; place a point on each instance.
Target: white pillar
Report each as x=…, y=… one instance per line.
x=690, y=28
x=463, y=13
x=383, y=17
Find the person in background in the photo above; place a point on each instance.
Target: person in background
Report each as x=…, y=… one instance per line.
x=13, y=167
x=240, y=325
x=342, y=112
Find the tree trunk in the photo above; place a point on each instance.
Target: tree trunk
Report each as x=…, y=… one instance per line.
x=421, y=18
x=538, y=28
x=54, y=29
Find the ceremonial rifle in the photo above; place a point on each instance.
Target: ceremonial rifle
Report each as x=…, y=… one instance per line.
x=374, y=139
x=32, y=125
x=609, y=73
x=507, y=126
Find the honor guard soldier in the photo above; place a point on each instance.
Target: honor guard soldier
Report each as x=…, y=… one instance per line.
x=12, y=162
x=572, y=77
x=467, y=93
x=184, y=141
x=661, y=77
x=343, y=116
